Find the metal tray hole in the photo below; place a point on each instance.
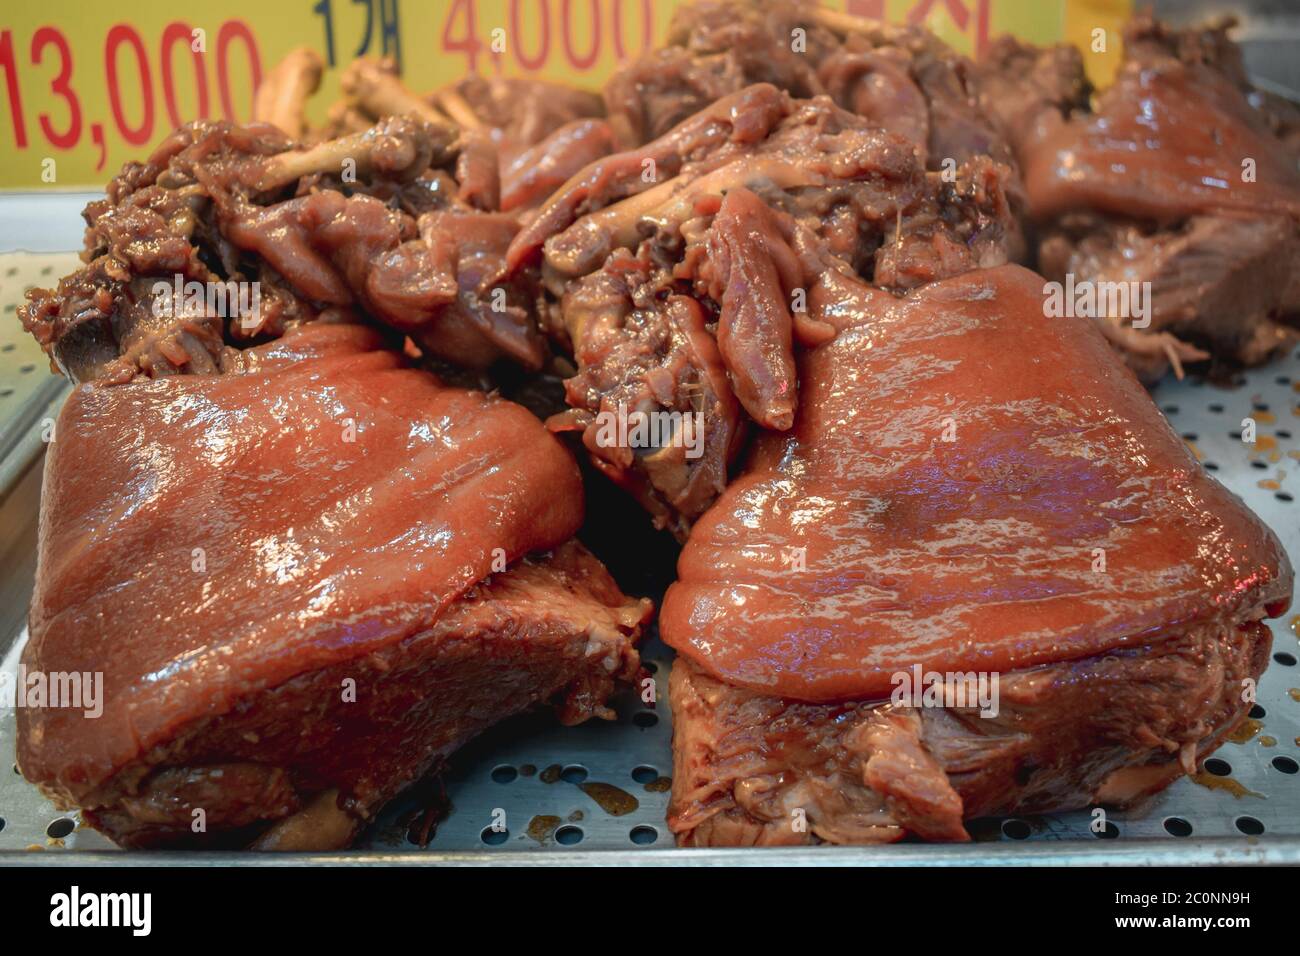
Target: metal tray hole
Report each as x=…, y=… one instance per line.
x=1177, y=826
x=650, y=666
x=504, y=774
x=1260, y=465
x=1283, y=496
x=1249, y=826
x=574, y=773
x=1016, y=829
x=643, y=835
x=2, y=823
x=1285, y=764
x=1285, y=659
x=494, y=837
x=644, y=774
x=1218, y=766
x=1215, y=407
x=1209, y=466
x=1108, y=832
x=645, y=719
x=568, y=835
x=60, y=828
x=1258, y=712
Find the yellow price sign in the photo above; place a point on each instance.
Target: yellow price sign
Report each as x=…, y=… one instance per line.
x=86, y=87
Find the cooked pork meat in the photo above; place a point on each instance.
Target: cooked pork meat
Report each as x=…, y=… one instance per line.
x=518, y=113
x=1170, y=138
x=773, y=266
x=903, y=79
x=715, y=48
x=1106, y=729
x=969, y=486
x=308, y=577
x=372, y=223
x=1178, y=179
x=1022, y=86
x=908, y=81
x=1210, y=275
x=529, y=178
x=745, y=209
x=540, y=134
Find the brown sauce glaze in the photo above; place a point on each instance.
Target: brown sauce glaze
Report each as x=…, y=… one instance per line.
x=1166, y=142
x=975, y=552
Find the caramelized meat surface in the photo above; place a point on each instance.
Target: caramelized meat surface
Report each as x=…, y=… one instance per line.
x=959, y=466
x=219, y=546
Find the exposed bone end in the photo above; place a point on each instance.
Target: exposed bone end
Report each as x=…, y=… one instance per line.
x=399, y=147
x=373, y=85
x=281, y=100
x=844, y=24
x=457, y=107
x=344, y=118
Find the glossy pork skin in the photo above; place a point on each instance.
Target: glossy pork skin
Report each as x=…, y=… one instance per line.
x=978, y=552
x=204, y=539
x=1168, y=141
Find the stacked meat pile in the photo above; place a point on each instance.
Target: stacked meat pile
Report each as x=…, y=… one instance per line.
x=793, y=236
x=1183, y=177
x=937, y=464
x=684, y=266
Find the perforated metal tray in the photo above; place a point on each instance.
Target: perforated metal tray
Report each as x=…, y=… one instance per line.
x=597, y=793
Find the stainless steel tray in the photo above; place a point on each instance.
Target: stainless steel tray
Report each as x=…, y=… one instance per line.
x=596, y=793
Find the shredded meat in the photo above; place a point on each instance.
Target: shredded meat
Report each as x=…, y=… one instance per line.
x=751, y=769
x=715, y=48
x=747, y=207
x=394, y=223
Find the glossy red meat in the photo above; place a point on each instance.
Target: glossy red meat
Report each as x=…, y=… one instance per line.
x=1167, y=142
x=973, y=553
x=204, y=538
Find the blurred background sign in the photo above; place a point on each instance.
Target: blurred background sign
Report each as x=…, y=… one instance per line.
x=85, y=87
